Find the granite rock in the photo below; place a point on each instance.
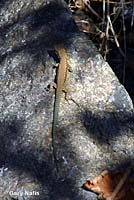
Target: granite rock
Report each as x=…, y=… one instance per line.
x=95, y=130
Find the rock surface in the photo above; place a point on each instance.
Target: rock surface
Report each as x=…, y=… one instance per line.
x=96, y=125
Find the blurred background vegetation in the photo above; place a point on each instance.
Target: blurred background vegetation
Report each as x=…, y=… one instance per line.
x=110, y=25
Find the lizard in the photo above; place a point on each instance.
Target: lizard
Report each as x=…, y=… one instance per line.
x=61, y=76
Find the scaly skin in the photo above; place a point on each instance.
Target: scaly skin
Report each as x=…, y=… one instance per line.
x=61, y=79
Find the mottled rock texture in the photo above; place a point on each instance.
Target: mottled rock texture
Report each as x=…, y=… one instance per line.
x=96, y=125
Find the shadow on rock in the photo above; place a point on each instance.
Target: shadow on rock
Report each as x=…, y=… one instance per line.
x=47, y=27
x=3, y=2
x=102, y=127
x=24, y=160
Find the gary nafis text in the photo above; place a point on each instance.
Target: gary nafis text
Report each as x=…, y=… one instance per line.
x=24, y=193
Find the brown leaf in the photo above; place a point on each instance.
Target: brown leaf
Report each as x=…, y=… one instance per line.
x=106, y=183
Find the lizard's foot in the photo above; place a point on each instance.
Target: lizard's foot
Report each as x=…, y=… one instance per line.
x=56, y=65
x=68, y=97
x=69, y=68
x=52, y=86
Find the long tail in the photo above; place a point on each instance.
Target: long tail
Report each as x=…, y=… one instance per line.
x=54, y=127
